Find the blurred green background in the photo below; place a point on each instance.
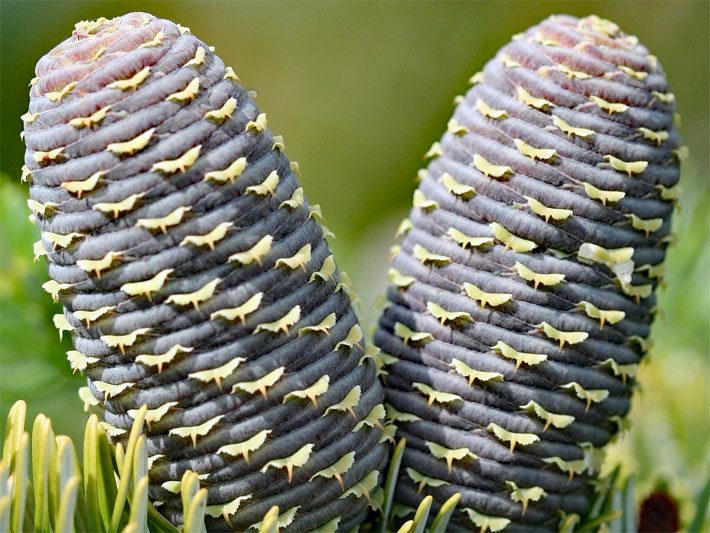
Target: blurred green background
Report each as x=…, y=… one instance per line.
x=360, y=91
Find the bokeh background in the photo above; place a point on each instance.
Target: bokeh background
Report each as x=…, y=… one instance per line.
x=360, y=91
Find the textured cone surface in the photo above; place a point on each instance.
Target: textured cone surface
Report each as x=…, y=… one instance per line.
x=196, y=279
x=523, y=292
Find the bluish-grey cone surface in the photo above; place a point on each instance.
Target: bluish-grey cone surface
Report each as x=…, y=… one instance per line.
x=523, y=292
x=195, y=279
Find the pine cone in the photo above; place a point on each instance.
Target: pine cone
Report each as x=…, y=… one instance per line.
x=523, y=292
x=196, y=279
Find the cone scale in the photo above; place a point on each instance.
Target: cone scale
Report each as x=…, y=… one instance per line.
x=523, y=292
x=196, y=279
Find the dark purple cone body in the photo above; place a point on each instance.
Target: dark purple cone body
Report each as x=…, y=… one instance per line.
x=523, y=292
x=196, y=279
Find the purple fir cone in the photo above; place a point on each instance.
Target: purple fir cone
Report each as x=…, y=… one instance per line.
x=196, y=279
x=523, y=293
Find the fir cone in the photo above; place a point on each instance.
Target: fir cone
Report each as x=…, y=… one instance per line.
x=523, y=293
x=196, y=279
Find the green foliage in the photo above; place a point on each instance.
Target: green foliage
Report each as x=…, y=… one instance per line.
x=442, y=518
x=701, y=507
x=44, y=486
x=51, y=489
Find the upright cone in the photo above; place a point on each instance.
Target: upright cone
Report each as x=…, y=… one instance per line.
x=523, y=293
x=195, y=279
